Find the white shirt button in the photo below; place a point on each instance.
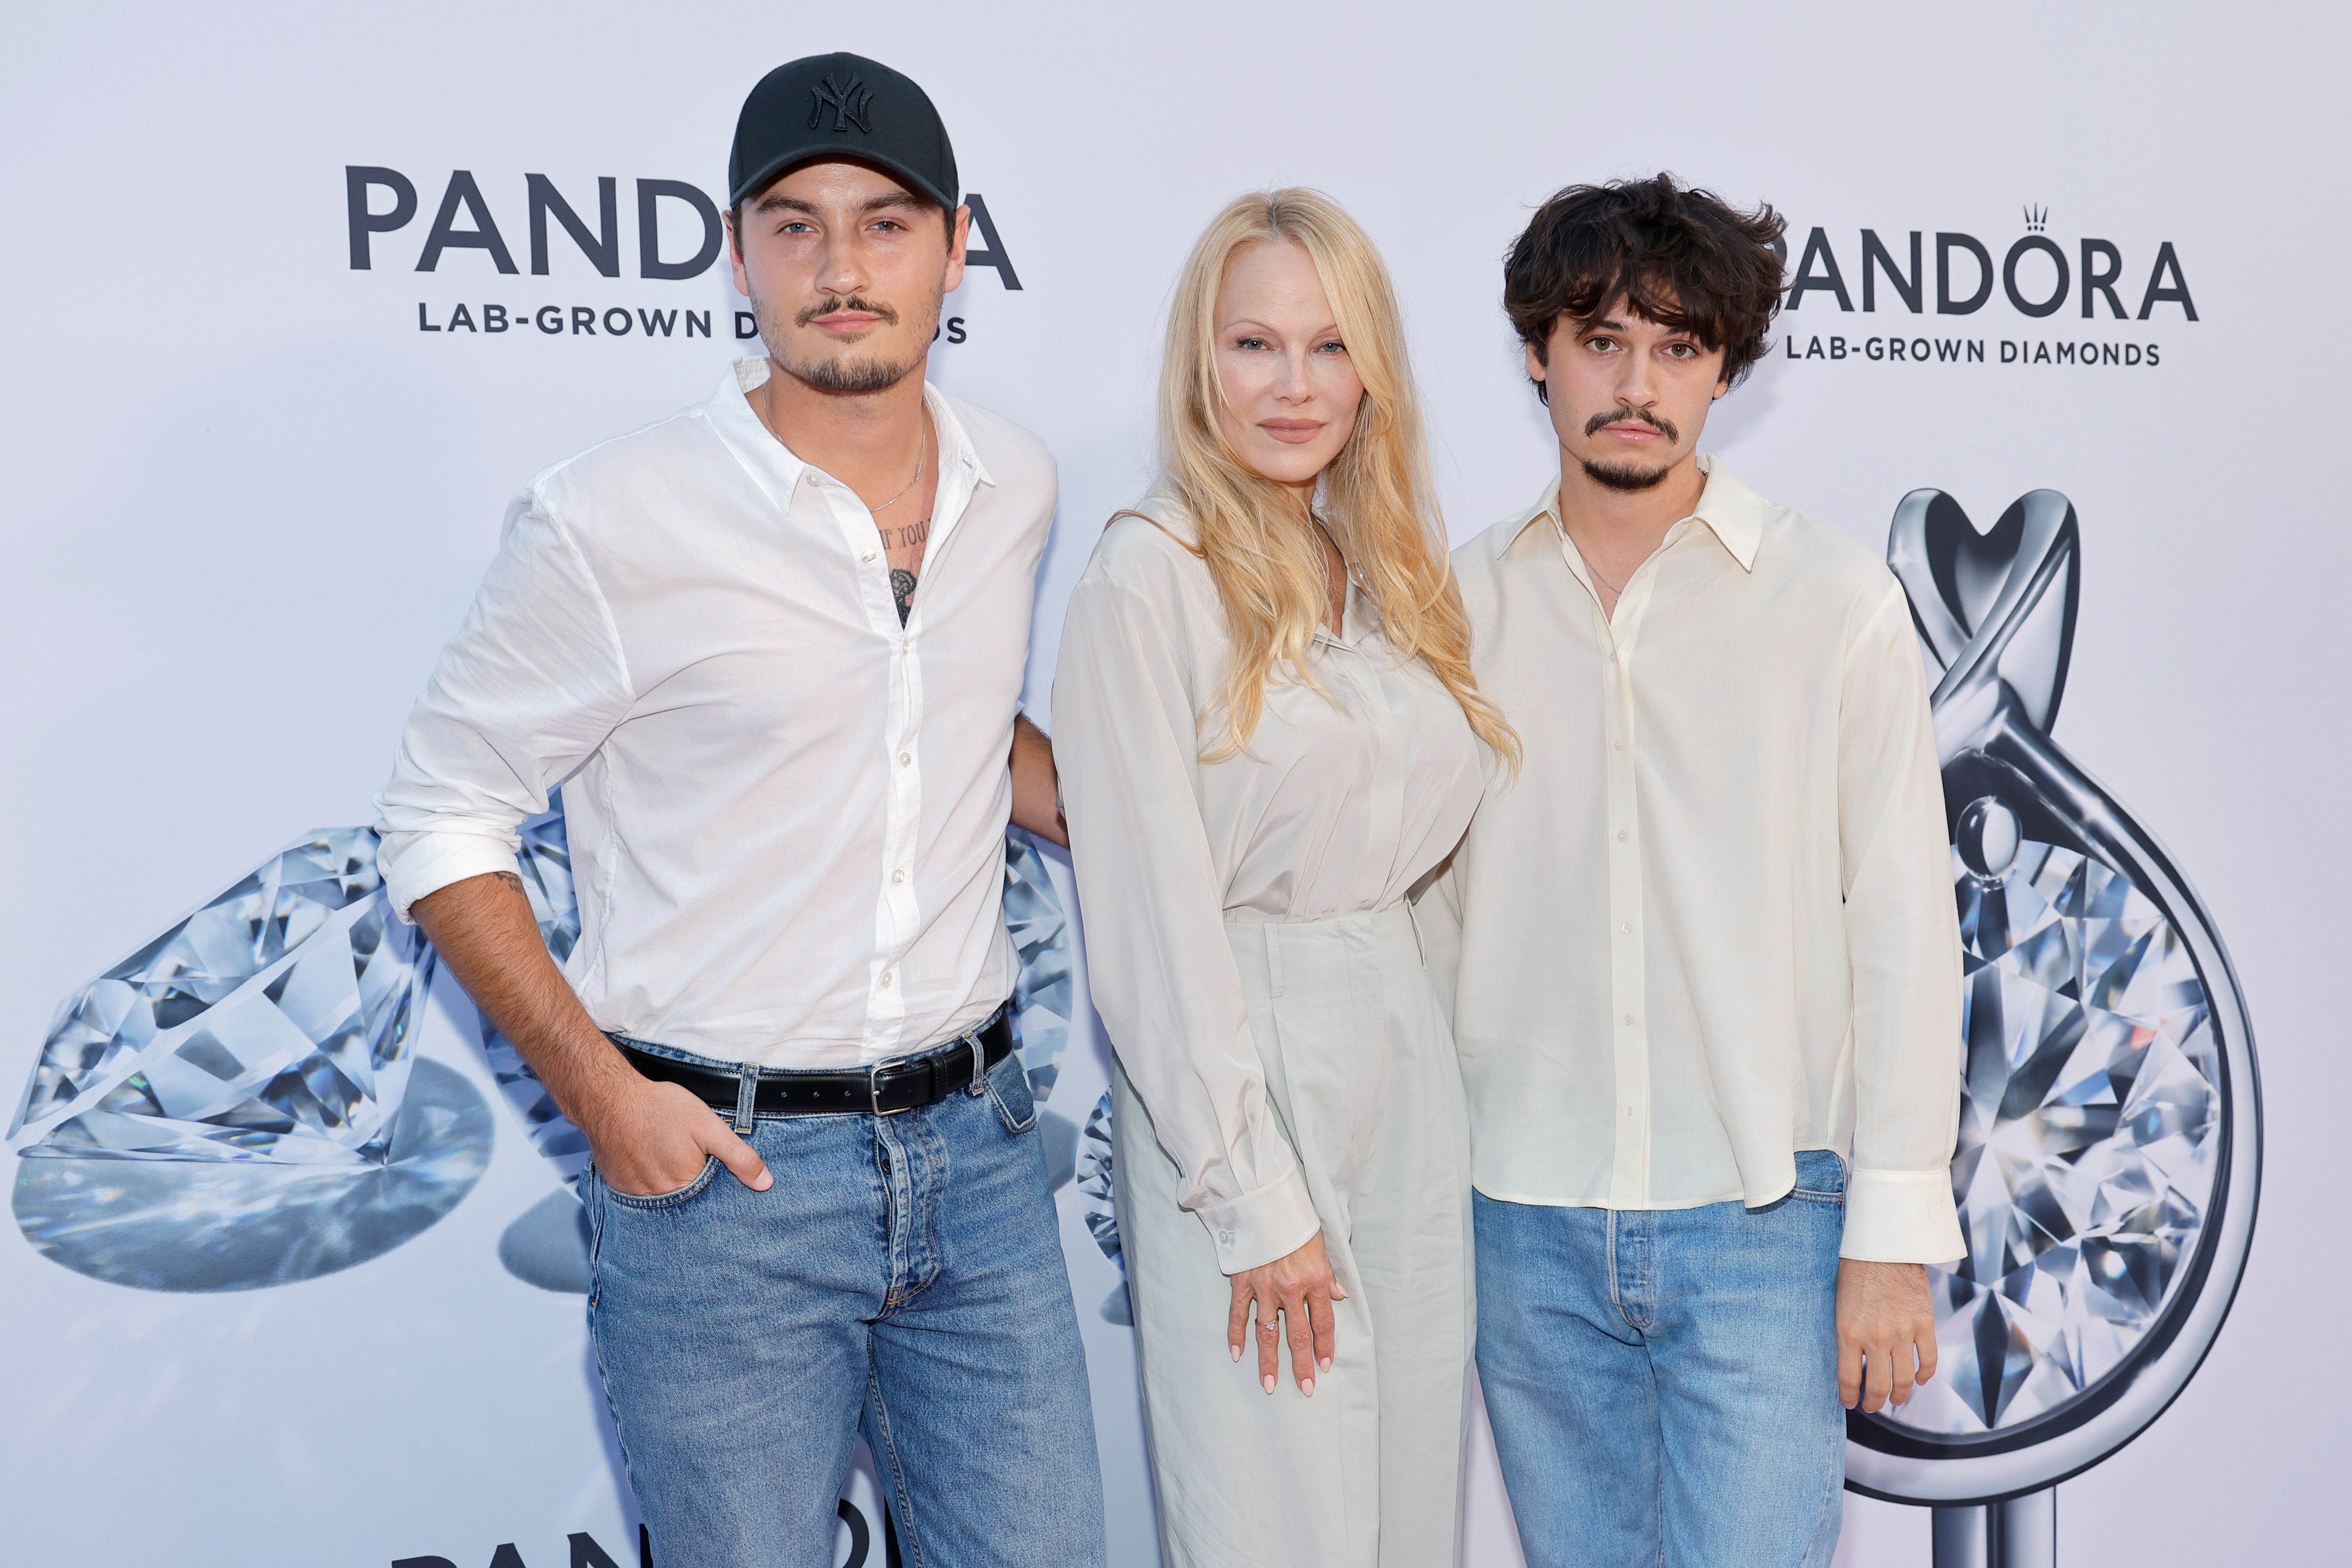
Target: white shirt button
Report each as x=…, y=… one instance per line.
x=1621, y=745
x=891, y=976
x=1621, y=836
x=1629, y=1017
x=907, y=759
x=1627, y=927
x=898, y=876
x=867, y=557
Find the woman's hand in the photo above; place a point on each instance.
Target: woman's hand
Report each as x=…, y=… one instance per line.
x=1300, y=1287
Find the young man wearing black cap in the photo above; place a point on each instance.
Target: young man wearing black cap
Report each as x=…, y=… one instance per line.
x=771, y=647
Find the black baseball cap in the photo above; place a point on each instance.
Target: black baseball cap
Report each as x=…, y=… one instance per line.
x=840, y=106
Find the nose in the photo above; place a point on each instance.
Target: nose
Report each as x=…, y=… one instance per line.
x=1292, y=385
x=1637, y=384
x=841, y=265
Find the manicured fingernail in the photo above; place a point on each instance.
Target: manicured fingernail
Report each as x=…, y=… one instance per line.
x=1324, y=1364
x=1306, y=1386
x=1237, y=1350
x=1269, y=1383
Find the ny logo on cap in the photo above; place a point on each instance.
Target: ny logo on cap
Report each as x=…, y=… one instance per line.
x=851, y=105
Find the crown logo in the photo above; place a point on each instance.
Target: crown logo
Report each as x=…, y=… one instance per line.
x=851, y=105
x=2036, y=218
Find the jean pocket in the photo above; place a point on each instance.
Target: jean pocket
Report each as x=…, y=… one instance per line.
x=1008, y=1091
x=663, y=1200
x=1820, y=1178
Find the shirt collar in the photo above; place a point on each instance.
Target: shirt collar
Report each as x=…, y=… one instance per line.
x=732, y=412
x=1735, y=512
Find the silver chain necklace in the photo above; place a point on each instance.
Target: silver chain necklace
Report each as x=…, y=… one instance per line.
x=768, y=405
x=920, y=454
x=1588, y=567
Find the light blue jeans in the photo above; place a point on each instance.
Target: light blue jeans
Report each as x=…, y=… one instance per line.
x=904, y=1274
x=1663, y=1384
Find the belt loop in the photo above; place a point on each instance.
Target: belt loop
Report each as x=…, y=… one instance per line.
x=979, y=1063
x=747, y=1099
x=1273, y=959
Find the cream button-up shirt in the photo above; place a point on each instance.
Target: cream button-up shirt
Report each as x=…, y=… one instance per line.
x=1345, y=798
x=786, y=811
x=1712, y=922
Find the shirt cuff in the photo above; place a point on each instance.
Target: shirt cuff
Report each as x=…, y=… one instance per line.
x=1258, y=1227
x=1901, y=1216
x=417, y=864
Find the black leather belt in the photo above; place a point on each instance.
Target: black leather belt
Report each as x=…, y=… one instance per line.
x=885, y=1089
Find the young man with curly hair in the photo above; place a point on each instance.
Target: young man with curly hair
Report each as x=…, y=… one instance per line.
x=1709, y=987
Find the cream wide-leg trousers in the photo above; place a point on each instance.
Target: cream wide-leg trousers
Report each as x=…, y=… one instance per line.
x=1361, y=1069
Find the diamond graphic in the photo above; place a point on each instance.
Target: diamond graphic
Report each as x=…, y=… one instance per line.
x=2108, y=1157
x=2087, y=1134
x=1041, y=935
x=273, y=1023
x=256, y=1059
x=1096, y=1160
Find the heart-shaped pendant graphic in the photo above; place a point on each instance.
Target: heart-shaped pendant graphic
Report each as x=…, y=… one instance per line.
x=2110, y=1125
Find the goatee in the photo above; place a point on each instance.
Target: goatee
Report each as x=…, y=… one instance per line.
x=856, y=377
x=843, y=377
x=1625, y=476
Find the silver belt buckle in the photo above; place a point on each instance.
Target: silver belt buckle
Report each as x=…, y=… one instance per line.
x=873, y=1085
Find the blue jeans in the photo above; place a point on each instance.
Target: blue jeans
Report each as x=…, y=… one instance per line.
x=1663, y=1384
x=904, y=1274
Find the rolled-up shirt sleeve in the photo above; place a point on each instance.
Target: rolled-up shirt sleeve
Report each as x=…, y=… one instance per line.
x=534, y=682
x=1902, y=946
x=1163, y=975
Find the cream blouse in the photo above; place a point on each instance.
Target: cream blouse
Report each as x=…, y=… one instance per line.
x=1344, y=799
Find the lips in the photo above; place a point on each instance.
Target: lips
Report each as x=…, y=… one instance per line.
x=1293, y=432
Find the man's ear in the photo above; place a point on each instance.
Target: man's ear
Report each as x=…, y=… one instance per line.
x=735, y=255
x=959, y=237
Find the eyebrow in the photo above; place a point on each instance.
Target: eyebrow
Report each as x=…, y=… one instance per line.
x=778, y=202
x=1328, y=327
x=1617, y=326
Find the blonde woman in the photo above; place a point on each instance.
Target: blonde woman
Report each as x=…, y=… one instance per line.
x=1267, y=734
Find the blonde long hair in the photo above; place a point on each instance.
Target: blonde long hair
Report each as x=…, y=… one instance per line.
x=1270, y=574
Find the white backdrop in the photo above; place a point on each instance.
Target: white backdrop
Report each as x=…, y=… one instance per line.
x=247, y=498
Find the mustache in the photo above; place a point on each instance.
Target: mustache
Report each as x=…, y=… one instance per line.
x=1624, y=412
x=831, y=302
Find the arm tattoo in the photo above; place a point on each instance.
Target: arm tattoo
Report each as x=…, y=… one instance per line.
x=510, y=879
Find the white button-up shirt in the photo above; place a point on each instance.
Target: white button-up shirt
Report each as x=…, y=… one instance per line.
x=1712, y=923
x=786, y=812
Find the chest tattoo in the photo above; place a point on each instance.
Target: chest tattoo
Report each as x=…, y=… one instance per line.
x=908, y=542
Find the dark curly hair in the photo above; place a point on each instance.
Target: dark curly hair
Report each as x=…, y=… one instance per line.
x=1683, y=257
